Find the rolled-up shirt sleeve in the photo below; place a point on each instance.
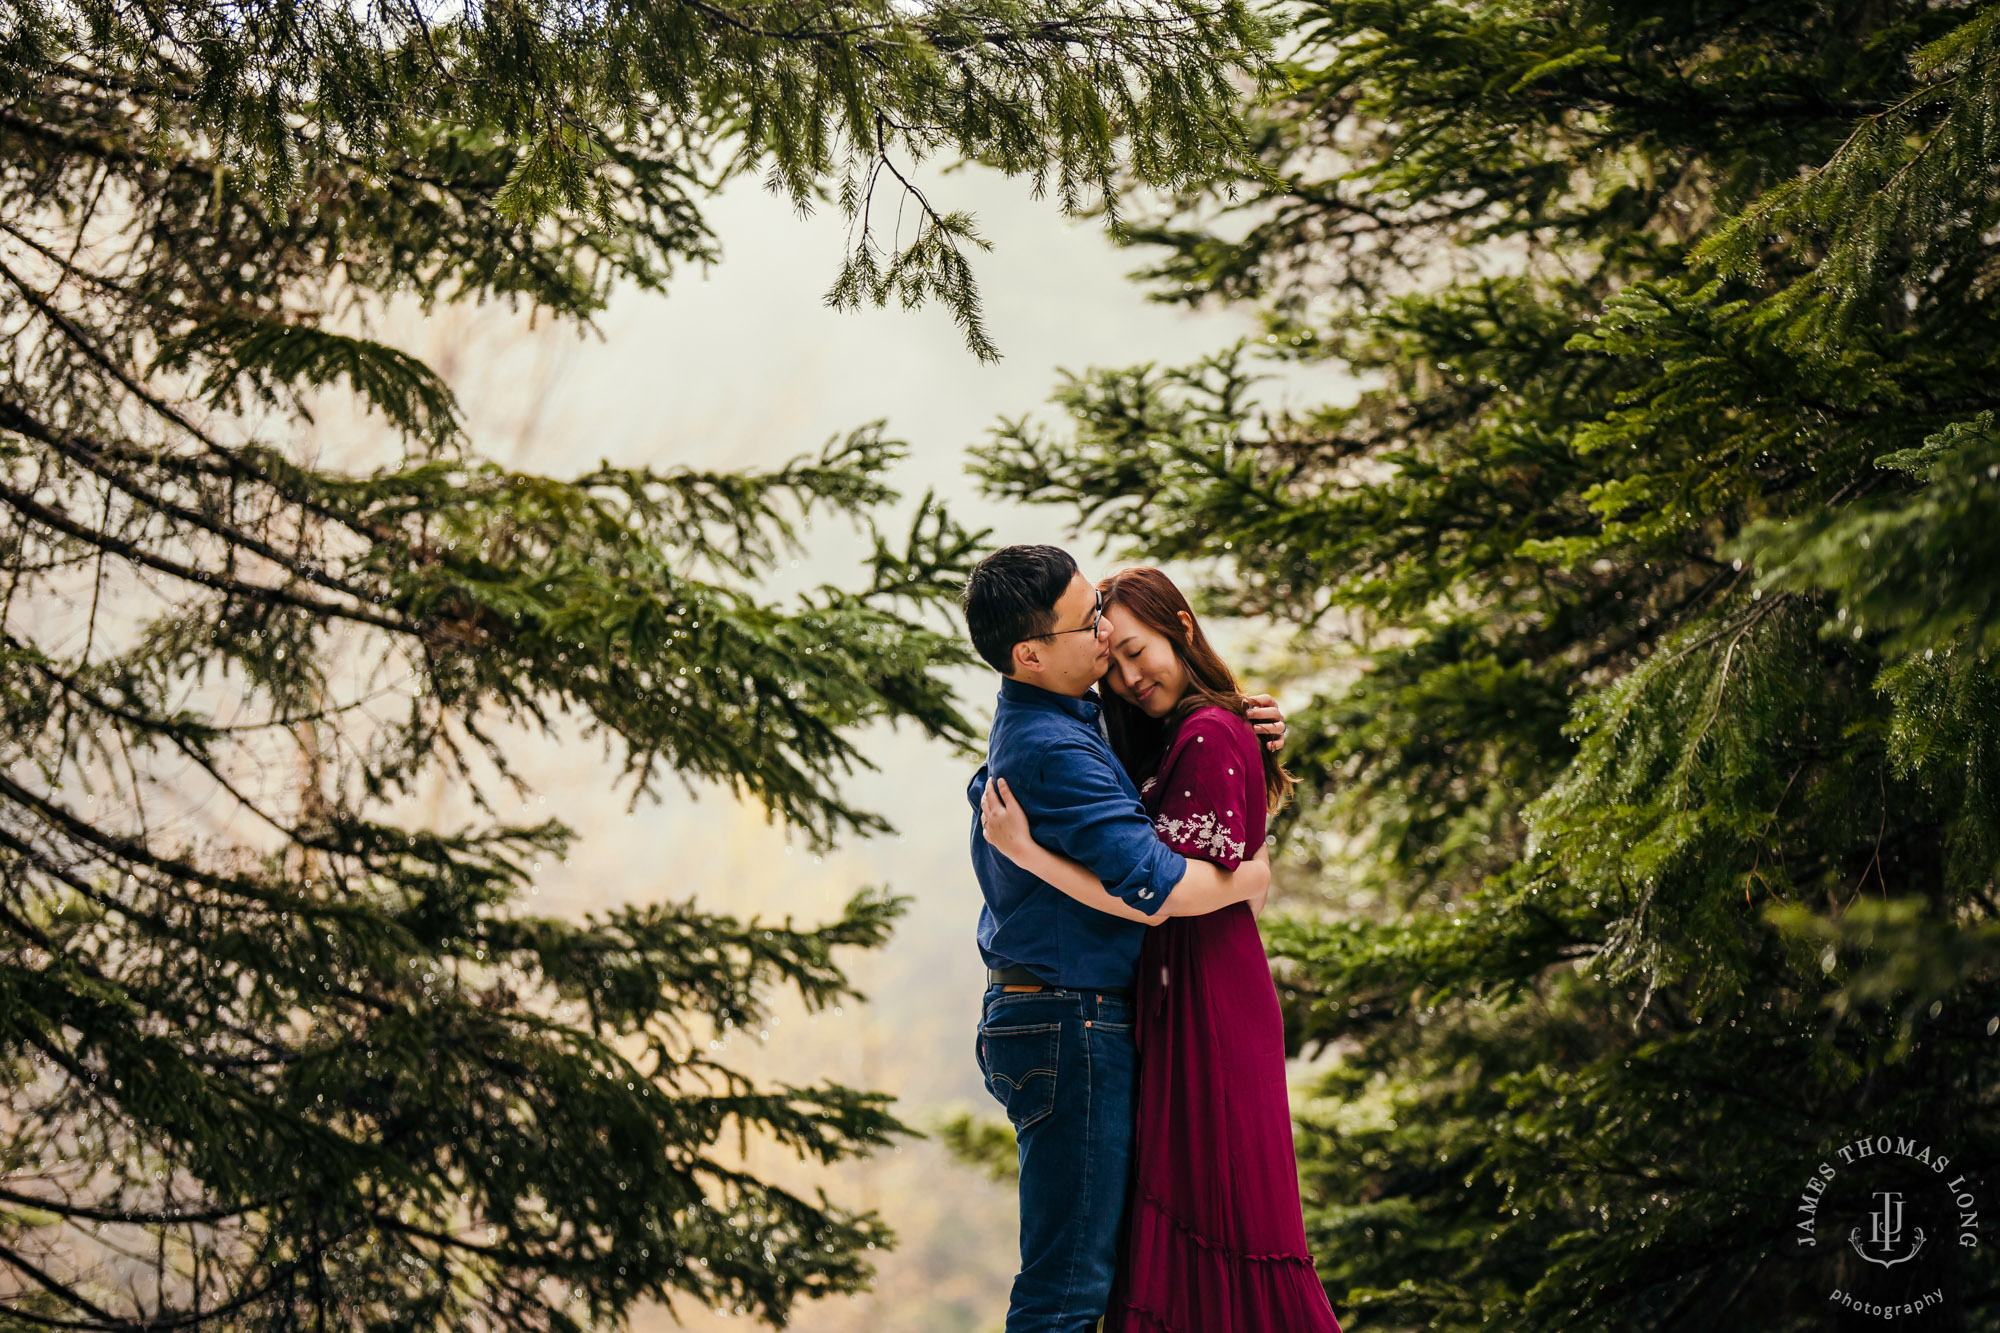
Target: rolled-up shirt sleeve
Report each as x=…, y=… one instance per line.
x=1077, y=808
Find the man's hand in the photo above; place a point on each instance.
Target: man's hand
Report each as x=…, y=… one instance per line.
x=1267, y=720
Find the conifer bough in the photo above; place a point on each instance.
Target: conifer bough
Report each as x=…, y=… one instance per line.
x=278, y=1052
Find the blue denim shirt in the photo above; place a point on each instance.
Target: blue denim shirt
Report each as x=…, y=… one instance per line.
x=1080, y=803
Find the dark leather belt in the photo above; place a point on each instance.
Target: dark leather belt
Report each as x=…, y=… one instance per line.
x=1021, y=976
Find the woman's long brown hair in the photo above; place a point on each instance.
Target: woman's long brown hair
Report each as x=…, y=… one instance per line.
x=1139, y=741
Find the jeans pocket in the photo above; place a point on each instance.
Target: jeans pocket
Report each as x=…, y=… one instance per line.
x=1113, y=1016
x=1020, y=1068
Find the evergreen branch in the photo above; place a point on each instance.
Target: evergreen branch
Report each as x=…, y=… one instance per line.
x=127, y=1217
x=24, y=504
x=35, y=1273
x=134, y=852
x=96, y=459
x=231, y=460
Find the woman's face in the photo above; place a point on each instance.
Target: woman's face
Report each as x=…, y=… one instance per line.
x=1145, y=670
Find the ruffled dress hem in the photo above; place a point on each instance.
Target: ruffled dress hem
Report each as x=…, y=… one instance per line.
x=1214, y=1285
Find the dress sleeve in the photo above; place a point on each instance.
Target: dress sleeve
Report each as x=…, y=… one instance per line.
x=1201, y=806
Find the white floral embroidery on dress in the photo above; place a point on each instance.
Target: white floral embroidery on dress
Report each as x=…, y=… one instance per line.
x=1204, y=830
x=1148, y=785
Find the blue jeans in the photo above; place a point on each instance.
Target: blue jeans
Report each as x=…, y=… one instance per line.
x=1065, y=1066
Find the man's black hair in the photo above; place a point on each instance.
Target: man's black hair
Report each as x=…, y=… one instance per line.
x=1012, y=596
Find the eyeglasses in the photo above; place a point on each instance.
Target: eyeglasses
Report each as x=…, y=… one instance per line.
x=1096, y=614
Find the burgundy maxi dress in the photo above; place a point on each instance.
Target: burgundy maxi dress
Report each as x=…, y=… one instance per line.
x=1214, y=1240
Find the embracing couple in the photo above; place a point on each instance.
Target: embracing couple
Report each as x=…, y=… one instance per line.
x=1129, y=1024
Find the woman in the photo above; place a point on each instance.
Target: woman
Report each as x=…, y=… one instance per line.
x=1214, y=1239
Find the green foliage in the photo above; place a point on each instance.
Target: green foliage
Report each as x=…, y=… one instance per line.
x=1646, y=589
x=275, y=361
x=1888, y=215
x=281, y=1050
x=1910, y=567
x=546, y=149
x=986, y=1143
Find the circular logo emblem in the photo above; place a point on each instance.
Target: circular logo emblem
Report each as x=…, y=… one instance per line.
x=1887, y=1216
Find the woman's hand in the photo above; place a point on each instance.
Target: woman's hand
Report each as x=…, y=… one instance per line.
x=1262, y=862
x=1004, y=822
x=1266, y=720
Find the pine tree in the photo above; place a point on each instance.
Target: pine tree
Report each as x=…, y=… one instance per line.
x=304, y=1061
x=1649, y=591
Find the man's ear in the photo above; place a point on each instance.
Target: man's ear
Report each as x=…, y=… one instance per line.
x=1028, y=658
x=1187, y=626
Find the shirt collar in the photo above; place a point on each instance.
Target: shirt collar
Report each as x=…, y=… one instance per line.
x=1021, y=692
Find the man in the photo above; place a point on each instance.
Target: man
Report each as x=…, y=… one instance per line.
x=1055, y=1035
